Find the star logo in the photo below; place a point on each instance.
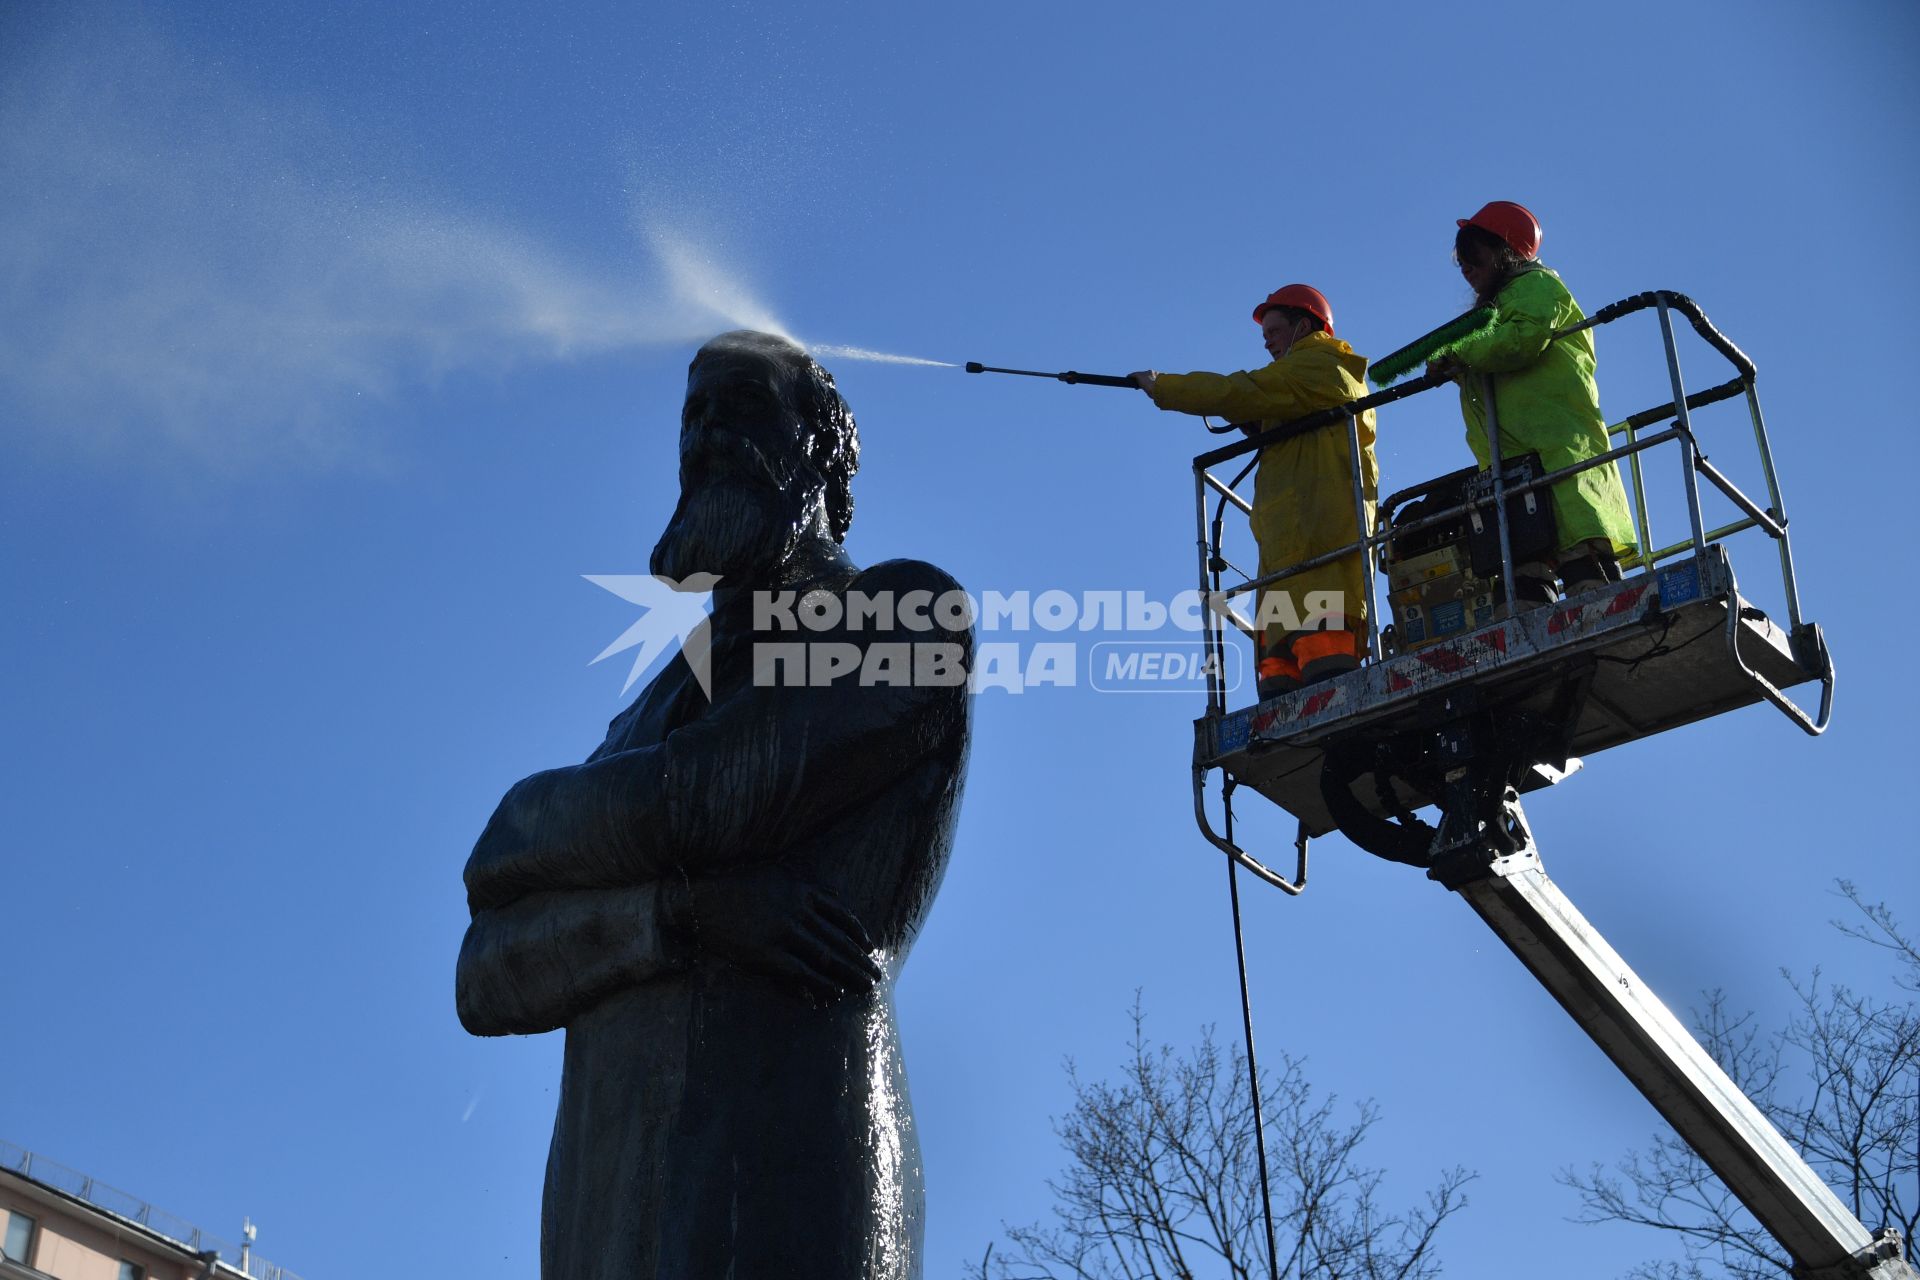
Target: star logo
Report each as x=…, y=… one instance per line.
x=673, y=614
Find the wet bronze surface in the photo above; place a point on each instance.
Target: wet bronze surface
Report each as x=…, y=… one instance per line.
x=716, y=903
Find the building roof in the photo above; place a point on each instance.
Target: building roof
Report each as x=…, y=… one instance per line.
x=87, y=1197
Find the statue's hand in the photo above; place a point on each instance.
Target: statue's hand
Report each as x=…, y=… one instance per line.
x=774, y=923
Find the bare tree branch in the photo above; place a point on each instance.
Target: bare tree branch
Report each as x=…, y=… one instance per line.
x=1841, y=1081
x=1162, y=1180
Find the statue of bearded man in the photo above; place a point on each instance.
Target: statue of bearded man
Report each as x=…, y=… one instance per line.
x=716, y=904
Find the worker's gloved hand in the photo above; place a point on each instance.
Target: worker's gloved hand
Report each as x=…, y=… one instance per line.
x=1445, y=366
x=773, y=922
x=1144, y=379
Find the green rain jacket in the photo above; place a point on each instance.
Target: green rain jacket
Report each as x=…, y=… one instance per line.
x=1547, y=402
x=1303, y=493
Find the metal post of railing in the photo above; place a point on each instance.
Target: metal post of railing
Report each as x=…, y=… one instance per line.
x=1216, y=562
x=1365, y=527
x=1216, y=679
x=1779, y=508
x=1688, y=447
x=1499, y=487
x=1642, y=522
x=1217, y=648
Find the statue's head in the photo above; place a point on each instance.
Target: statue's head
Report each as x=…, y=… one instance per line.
x=768, y=449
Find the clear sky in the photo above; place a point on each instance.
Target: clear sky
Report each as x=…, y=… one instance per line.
x=343, y=339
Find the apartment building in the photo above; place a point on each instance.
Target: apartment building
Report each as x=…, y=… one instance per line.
x=59, y=1224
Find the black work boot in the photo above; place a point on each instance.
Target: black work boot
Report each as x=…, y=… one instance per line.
x=1532, y=587
x=1530, y=592
x=1327, y=668
x=1590, y=572
x=1275, y=686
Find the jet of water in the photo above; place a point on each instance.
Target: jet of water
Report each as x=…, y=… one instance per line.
x=839, y=352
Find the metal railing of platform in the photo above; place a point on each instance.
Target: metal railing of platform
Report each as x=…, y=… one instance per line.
x=1631, y=449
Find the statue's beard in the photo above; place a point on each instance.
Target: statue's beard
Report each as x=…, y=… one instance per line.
x=737, y=517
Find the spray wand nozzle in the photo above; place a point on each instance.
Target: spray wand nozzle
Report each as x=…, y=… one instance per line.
x=1070, y=376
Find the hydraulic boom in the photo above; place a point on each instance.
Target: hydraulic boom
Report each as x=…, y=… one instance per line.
x=1470, y=702
x=1511, y=892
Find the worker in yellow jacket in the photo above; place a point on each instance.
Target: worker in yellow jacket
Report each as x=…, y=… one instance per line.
x=1313, y=623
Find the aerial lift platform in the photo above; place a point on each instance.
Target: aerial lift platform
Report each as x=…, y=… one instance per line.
x=1467, y=706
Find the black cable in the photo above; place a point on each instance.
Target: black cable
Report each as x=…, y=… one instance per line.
x=1659, y=648
x=1246, y=1019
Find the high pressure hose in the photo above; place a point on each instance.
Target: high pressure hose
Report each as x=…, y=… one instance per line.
x=1246, y=1022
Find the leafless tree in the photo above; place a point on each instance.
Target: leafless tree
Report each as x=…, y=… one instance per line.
x=1841, y=1080
x=1162, y=1181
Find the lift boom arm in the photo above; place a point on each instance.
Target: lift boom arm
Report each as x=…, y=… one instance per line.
x=1527, y=911
x=1465, y=723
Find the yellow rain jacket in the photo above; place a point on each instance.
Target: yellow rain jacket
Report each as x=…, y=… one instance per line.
x=1547, y=402
x=1303, y=492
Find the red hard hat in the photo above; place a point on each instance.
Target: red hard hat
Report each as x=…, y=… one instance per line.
x=1512, y=222
x=1302, y=297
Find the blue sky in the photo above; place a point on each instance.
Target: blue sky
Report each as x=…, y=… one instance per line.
x=342, y=341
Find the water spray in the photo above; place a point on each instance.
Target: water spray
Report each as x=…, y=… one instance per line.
x=878, y=357
x=1071, y=376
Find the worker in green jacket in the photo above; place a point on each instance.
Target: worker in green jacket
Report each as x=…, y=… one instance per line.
x=1313, y=624
x=1544, y=394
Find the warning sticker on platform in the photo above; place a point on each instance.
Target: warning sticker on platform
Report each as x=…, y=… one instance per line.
x=1449, y=618
x=1235, y=731
x=1679, y=584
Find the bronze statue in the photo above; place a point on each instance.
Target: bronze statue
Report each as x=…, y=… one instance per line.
x=716, y=903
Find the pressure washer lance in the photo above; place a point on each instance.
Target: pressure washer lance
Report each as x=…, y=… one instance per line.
x=1091, y=379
